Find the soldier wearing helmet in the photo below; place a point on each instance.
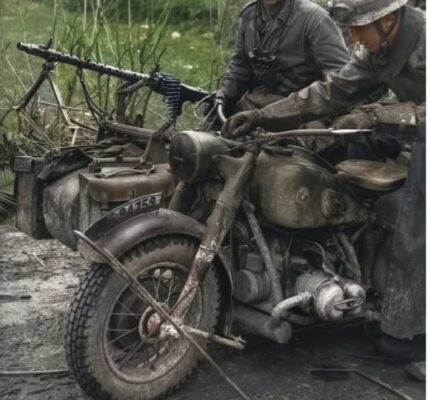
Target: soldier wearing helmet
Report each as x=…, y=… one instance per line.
x=281, y=47
x=390, y=53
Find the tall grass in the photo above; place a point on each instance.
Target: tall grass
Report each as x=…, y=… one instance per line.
x=133, y=34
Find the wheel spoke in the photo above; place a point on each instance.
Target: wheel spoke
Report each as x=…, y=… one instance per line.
x=122, y=352
x=127, y=309
x=123, y=335
x=158, y=284
x=130, y=354
x=127, y=314
x=154, y=357
x=156, y=288
x=144, y=354
x=171, y=281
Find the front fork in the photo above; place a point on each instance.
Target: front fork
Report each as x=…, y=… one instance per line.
x=236, y=172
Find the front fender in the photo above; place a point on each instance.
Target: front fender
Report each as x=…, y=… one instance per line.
x=124, y=236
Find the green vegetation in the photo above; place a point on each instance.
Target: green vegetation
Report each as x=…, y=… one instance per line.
x=184, y=12
x=188, y=38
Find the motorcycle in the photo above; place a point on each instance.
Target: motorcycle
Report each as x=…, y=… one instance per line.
x=258, y=233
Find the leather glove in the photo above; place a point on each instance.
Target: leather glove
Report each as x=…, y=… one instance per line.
x=355, y=120
x=315, y=143
x=405, y=114
x=242, y=123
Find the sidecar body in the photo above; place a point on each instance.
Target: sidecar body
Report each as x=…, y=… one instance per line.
x=71, y=191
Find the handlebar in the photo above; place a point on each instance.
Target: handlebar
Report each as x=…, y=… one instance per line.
x=311, y=132
x=220, y=113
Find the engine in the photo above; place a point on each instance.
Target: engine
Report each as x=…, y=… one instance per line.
x=319, y=276
x=332, y=299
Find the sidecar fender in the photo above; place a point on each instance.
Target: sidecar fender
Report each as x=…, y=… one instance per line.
x=120, y=238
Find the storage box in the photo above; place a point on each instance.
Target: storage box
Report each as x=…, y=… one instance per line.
x=28, y=191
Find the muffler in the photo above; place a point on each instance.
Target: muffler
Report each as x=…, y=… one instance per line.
x=260, y=324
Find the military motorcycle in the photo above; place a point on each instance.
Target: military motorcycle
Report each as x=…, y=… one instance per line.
x=258, y=233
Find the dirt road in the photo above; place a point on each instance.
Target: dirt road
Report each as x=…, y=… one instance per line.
x=37, y=281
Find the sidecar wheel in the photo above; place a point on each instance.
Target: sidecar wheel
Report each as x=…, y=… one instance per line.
x=108, y=343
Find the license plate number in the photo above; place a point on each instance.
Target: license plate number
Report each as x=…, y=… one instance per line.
x=144, y=204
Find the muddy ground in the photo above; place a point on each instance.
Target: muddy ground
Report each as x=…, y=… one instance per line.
x=37, y=281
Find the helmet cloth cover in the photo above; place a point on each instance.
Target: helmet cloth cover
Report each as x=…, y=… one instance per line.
x=362, y=12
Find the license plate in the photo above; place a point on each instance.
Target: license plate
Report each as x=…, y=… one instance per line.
x=142, y=204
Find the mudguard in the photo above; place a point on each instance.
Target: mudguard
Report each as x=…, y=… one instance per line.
x=119, y=236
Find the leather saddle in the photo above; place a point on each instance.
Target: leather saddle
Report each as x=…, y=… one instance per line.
x=373, y=175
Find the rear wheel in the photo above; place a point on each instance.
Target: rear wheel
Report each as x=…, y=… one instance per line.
x=109, y=345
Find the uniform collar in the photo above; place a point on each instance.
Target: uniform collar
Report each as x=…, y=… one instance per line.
x=403, y=45
x=281, y=17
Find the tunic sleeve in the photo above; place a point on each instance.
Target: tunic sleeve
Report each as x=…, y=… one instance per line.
x=340, y=90
x=238, y=74
x=326, y=43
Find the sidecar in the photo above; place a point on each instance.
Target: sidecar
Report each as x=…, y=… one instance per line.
x=72, y=189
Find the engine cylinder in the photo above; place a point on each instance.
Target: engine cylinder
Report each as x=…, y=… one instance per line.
x=354, y=291
x=326, y=294
x=251, y=287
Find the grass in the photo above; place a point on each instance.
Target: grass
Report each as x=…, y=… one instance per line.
x=188, y=47
x=190, y=39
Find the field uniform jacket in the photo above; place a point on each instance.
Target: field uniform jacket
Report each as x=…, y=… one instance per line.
x=402, y=71
x=304, y=39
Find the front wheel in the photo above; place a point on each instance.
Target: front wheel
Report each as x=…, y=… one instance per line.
x=109, y=346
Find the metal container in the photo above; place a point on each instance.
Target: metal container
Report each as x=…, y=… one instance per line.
x=28, y=193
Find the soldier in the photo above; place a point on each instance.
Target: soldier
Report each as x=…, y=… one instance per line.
x=281, y=47
x=391, y=53
x=417, y=3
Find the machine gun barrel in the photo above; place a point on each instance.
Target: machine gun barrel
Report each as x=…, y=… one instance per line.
x=175, y=93
x=57, y=56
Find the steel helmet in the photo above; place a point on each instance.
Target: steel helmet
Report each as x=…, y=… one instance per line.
x=362, y=12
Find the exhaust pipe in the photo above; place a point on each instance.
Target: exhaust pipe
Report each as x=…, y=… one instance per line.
x=260, y=324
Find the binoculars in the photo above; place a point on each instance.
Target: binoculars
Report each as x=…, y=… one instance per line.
x=264, y=59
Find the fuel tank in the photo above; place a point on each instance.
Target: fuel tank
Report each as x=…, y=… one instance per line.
x=293, y=192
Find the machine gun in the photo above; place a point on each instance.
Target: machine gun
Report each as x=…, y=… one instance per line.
x=175, y=93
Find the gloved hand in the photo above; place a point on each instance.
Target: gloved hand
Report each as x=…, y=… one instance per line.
x=405, y=114
x=316, y=143
x=356, y=120
x=242, y=123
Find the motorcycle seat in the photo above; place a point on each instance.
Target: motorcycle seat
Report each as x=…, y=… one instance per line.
x=373, y=175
